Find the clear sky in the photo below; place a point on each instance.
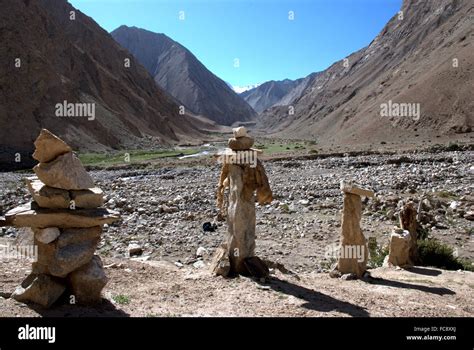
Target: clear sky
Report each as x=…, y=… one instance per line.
x=259, y=33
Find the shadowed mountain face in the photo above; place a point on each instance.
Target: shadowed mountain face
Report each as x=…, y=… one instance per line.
x=275, y=93
x=423, y=58
x=50, y=57
x=180, y=73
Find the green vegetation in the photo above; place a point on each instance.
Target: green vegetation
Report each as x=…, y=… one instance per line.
x=436, y=254
x=121, y=299
x=377, y=255
x=446, y=194
x=131, y=157
x=272, y=147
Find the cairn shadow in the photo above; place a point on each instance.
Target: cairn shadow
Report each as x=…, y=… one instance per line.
x=315, y=300
x=420, y=287
x=424, y=271
x=103, y=309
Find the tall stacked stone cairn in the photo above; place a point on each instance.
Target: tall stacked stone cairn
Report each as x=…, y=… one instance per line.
x=243, y=174
x=353, y=251
x=66, y=218
x=403, y=249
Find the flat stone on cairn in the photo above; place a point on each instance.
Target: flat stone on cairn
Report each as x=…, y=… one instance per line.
x=66, y=218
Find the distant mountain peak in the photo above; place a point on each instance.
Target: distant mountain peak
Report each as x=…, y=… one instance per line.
x=183, y=76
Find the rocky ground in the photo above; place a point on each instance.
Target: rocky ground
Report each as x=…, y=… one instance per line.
x=163, y=210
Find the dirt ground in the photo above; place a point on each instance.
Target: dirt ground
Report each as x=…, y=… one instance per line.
x=160, y=289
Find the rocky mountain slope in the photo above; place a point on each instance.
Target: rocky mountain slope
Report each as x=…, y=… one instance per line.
x=423, y=57
x=180, y=73
x=275, y=93
x=53, y=55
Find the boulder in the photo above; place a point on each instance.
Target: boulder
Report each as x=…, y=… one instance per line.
x=87, y=282
x=66, y=172
x=241, y=143
x=46, y=235
x=30, y=215
x=71, y=250
x=39, y=289
x=90, y=198
x=399, y=253
x=49, y=146
x=47, y=197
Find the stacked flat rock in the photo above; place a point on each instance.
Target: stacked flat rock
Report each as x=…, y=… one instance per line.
x=241, y=141
x=66, y=217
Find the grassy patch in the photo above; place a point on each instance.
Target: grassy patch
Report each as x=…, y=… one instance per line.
x=280, y=147
x=121, y=299
x=377, y=254
x=130, y=157
x=436, y=254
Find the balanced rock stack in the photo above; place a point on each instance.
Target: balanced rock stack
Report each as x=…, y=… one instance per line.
x=353, y=247
x=66, y=219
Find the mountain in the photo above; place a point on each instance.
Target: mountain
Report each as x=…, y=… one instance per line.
x=275, y=93
x=180, y=73
x=75, y=60
x=241, y=89
x=424, y=58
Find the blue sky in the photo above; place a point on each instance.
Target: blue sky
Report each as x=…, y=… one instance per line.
x=259, y=33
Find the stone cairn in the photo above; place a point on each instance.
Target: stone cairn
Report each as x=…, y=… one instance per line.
x=403, y=249
x=353, y=252
x=66, y=218
x=243, y=174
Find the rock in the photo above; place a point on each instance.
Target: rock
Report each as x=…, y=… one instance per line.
x=352, y=188
x=134, y=249
x=46, y=235
x=30, y=215
x=199, y=264
x=39, y=289
x=71, y=250
x=241, y=143
x=303, y=202
x=209, y=227
x=49, y=146
x=353, y=247
x=349, y=276
x=220, y=264
x=469, y=215
x=47, y=197
x=239, y=132
x=335, y=274
x=65, y=172
x=201, y=251
x=399, y=251
x=88, y=281
x=90, y=198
